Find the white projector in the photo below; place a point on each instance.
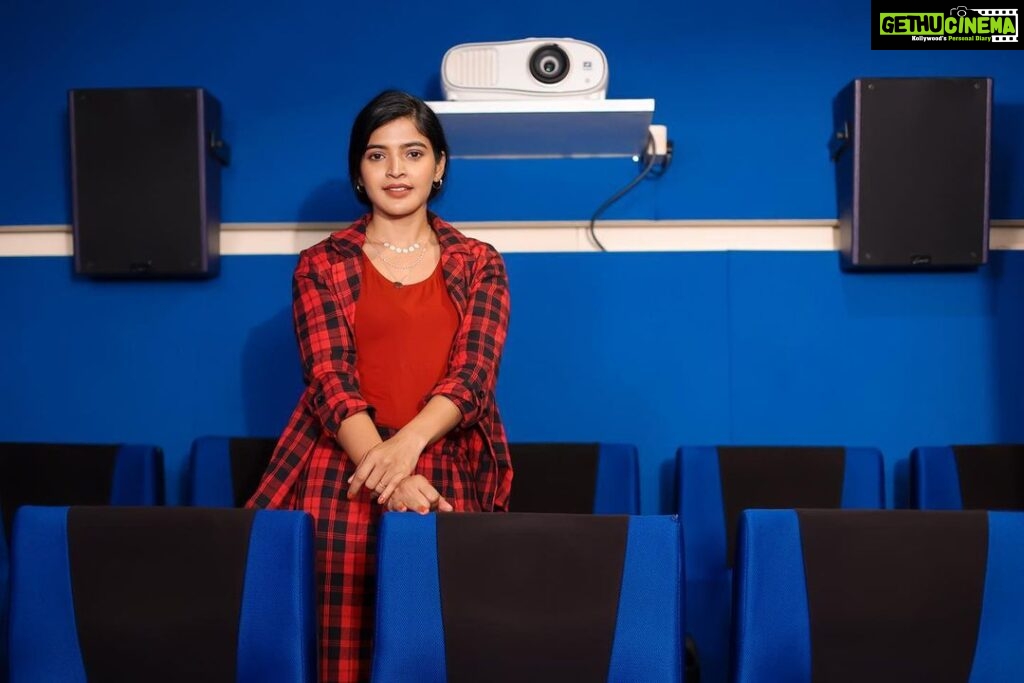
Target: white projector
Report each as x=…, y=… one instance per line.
x=523, y=69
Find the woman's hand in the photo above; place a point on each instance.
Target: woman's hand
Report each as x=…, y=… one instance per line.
x=419, y=495
x=385, y=465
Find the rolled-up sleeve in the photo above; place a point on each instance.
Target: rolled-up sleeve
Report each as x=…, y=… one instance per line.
x=327, y=348
x=476, y=353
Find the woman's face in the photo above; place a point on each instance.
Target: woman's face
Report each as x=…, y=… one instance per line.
x=398, y=169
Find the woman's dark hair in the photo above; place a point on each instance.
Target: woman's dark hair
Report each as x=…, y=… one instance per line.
x=385, y=108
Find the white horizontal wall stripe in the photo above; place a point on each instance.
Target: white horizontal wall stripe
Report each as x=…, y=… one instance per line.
x=525, y=236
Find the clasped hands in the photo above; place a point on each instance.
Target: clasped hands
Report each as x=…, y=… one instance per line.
x=387, y=469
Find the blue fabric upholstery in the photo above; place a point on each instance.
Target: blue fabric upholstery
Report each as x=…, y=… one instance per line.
x=863, y=479
x=934, y=481
x=648, y=633
x=5, y=583
x=709, y=581
x=277, y=625
x=649, y=629
x=772, y=635
x=209, y=473
x=998, y=656
x=279, y=601
x=43, y=637
x=617, y=491
x=138, y=476
x=407, y=584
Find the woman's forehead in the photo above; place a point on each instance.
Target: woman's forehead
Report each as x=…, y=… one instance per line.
x=398, y=132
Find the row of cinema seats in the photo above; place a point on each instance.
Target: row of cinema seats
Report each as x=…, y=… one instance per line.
x=566, y=477
x=716, y=484
x=202, y=594
x=223, y=473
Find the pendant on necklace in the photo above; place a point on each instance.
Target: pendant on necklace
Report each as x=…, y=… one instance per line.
x=398, y=285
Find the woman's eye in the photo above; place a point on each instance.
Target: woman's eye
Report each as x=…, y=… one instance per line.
x=375, y=156
x=415, y=154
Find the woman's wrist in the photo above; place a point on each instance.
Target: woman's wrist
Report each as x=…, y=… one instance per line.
x=365, y=452
x=413, y=437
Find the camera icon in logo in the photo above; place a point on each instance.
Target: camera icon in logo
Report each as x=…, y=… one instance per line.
x=960, y=11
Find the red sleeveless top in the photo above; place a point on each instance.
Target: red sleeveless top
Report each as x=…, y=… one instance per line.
x=403, y=340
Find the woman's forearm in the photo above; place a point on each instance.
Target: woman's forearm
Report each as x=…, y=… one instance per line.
x=436, y=419
x=357, y=435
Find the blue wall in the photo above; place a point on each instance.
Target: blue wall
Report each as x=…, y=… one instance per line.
x=656, y=349
x=746, y=94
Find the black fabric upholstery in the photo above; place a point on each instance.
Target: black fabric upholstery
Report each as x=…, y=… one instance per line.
x=158, y=591
x=249, y=460
x=529, y=597
x=893, y=596
x=991, y=476
x=772, y=477
x=54, y=474
x=554, y=477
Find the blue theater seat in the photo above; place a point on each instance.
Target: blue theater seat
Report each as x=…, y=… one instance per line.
x=881, y=596
x=716, y=484
x=71, y=474
x=982, y=477
x=78, y=474
x=225, y=471
x=528, y=597
x=575, y=478
x=162, y=595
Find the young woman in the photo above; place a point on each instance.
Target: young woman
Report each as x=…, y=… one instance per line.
x=400, y=321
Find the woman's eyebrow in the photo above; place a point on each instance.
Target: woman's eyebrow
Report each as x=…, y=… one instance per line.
x=404, y=145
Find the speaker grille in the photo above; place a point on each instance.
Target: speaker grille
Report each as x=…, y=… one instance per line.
x=920, y=173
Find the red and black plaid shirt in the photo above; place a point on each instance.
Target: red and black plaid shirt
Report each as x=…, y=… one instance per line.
x=325, y=291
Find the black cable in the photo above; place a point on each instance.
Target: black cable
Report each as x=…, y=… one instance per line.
x=621, y=193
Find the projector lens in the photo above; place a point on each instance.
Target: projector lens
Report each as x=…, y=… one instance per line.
x=549, y=64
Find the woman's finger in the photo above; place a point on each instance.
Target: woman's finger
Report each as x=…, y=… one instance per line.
x=389, y=489
x=417, y=501
x=366, y=475
x=433, y=497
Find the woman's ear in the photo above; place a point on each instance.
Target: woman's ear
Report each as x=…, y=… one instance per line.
x=442, y=161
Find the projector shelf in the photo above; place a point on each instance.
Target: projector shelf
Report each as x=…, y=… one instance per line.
x=545, y=129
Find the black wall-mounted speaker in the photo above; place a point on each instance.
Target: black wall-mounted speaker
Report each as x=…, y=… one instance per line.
x=912, y=158
x=145, y=175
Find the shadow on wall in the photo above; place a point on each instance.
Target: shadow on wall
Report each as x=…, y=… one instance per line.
x=1007, y=165
x=271, y=375
x=668, y=489
x=272, y=370
x=65, y=165
x=1008, y=339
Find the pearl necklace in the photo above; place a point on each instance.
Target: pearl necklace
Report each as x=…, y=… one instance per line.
x=394, y=266
x=391, y=267
x=402, y=250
